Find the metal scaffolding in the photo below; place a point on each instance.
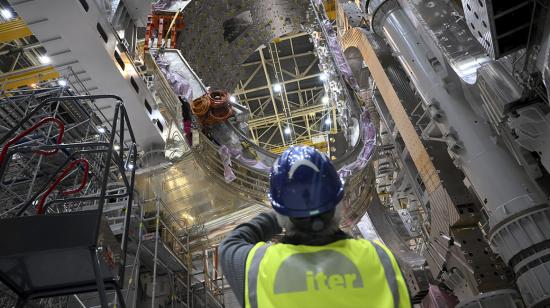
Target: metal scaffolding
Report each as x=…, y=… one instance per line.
x=176, y=255
x=60, y=165
x=285, y=95
x=53, y=119
x=61, y=155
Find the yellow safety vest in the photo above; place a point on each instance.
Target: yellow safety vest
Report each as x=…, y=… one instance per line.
x=346, y=273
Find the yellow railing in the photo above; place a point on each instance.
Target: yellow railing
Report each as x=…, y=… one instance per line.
x=14, y=29
x=27, y=77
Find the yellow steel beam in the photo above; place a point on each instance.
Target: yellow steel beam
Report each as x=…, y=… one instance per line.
x=330, y=8
x=14, y=29
x=305, y=111
x=321, y=146
x=355, y=37
x=27, y=77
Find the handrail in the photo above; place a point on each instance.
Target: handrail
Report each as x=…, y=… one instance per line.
x=54, y=99
x=119, y=114
x=253, y=145
x=25, y=206
x=24, y=133
x=84, y=180
x=249, y=180
x=40, y=206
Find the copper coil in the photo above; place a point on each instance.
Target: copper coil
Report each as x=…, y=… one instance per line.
x=218, y=115
x=200, y=106
x=218, y=99
x=221, y=113
x=212, y=107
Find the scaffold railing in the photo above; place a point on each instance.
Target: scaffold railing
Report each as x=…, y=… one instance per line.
x=173, y=248
x=253, y=183
x=75, y=122
x=57, y=160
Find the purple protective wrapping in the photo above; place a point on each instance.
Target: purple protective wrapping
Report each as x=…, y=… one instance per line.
x=237, y=152
x=232, y=143
x=228, y=173
x=256, y=164
x=224, y=135
x=338, y=55
x=369, y=142
x=175, y=78
x=161, y=5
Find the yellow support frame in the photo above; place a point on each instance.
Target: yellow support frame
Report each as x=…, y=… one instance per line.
x=14, y=29
x=330, y=8
x=321, y=146
x=27, y=77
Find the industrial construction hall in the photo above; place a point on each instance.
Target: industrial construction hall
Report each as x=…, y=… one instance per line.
x=274, y=153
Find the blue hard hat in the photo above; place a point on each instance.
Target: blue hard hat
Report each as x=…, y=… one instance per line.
x=303, y=182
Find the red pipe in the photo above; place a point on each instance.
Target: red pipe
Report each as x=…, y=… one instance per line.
x=24, y=133
x=40, y=206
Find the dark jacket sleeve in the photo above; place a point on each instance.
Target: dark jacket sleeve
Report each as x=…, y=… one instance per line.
x=235, y=247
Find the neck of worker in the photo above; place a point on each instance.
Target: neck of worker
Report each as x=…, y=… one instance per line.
x=328, y=232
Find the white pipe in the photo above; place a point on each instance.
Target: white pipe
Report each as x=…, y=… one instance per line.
x=500, y=183
x=518, y=214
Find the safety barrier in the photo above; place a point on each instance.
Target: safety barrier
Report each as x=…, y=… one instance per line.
x=89, y=226
x=251, y=182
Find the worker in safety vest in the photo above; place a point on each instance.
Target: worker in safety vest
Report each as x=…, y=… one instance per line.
x=315, y=264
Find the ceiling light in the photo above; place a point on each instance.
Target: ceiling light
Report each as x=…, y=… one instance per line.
x=325, y=99
x=62, y=82
x=323, y=76
x=288, y=130
x=7, y=14
x=101, y=129
x=44, y=59
x=328, y=121
x=277, y=87
x=232, y=99
x=116, y=147
x=130, y=166
x=186, y=216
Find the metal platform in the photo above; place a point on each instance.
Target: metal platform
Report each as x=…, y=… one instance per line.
x=54, y=255
x=165, y=256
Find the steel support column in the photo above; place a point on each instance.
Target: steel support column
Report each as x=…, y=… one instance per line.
x=273, y=101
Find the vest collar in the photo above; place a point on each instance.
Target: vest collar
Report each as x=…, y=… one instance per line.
x=314, y=240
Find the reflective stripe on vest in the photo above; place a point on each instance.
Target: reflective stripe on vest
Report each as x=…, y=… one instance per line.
x=388, y=270
x=341, y=266
x=253, y=275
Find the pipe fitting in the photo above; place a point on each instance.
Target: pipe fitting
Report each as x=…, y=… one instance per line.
x=520, y=232
x=378, y=10
x=435, y=113
x=518, y=220
x=453, y=144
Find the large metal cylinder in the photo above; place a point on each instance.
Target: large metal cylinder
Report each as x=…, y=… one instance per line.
x=519, y=216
